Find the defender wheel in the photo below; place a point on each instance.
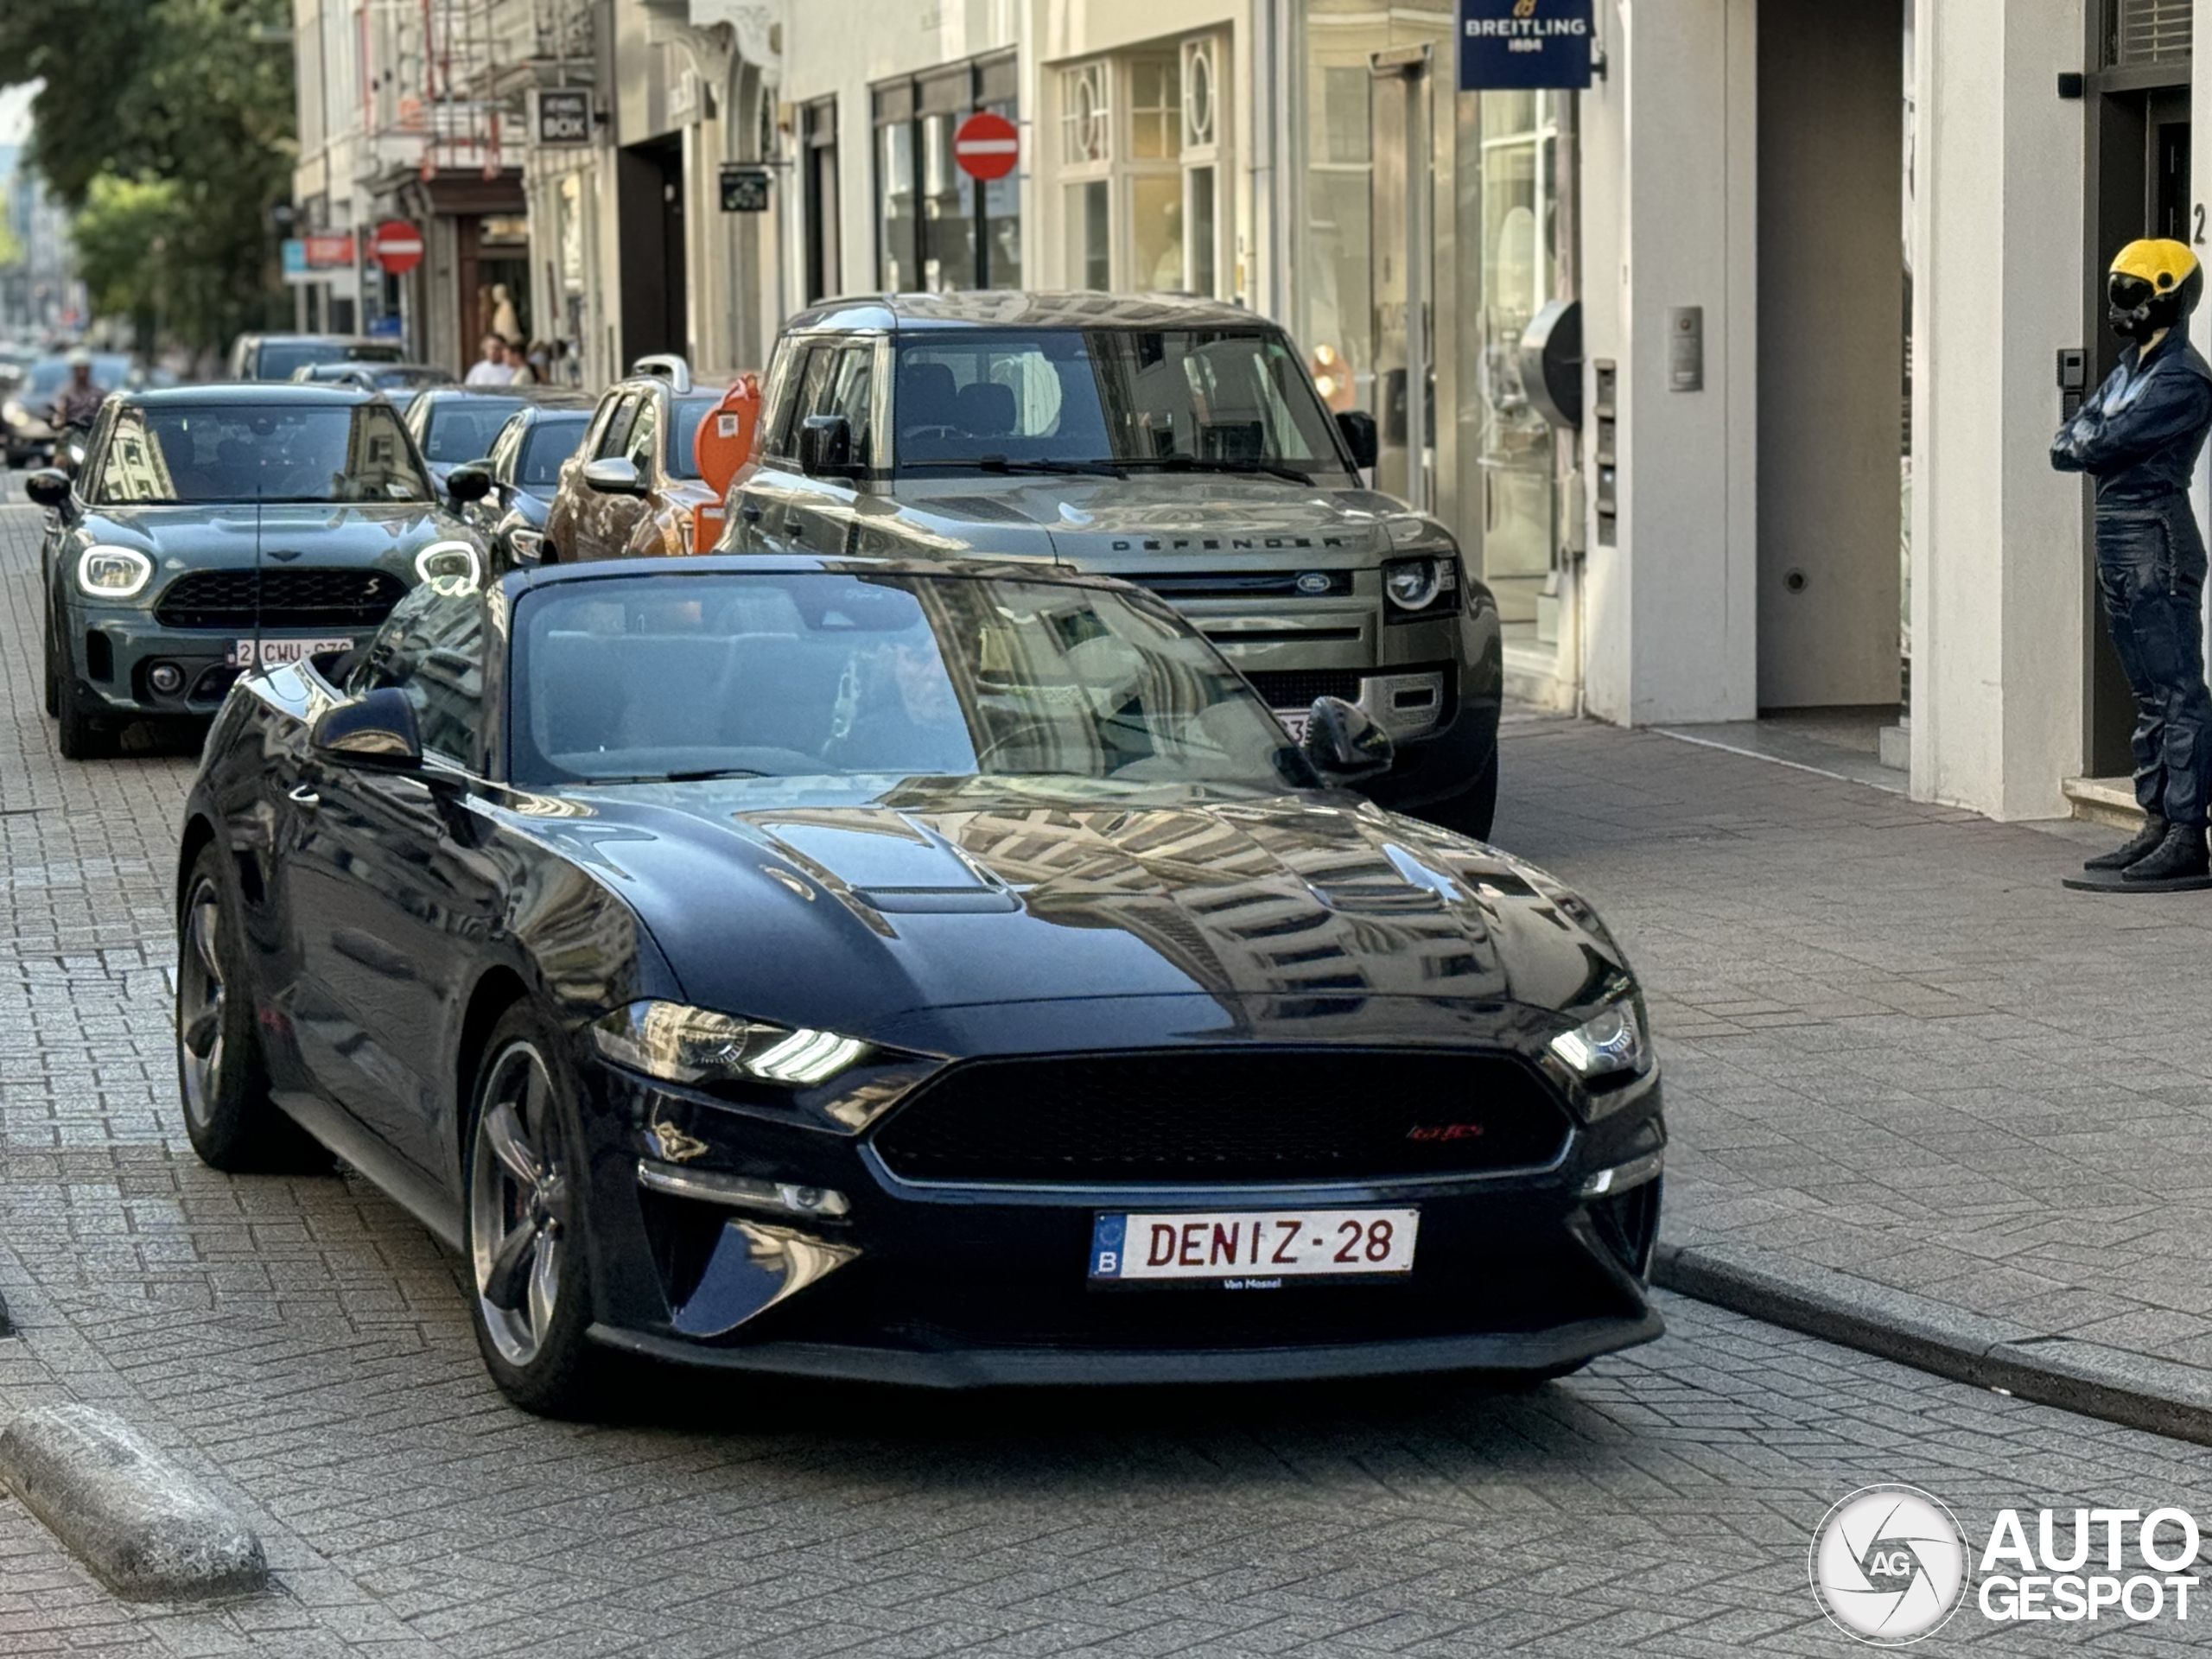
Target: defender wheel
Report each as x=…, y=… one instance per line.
x=221, y=1076
x=1474, y=809
x=531, y=1290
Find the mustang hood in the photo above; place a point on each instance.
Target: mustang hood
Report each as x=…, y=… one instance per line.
x=853, y=911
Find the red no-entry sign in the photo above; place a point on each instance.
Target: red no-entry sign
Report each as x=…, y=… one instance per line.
x=396, y=245
x=986, y=145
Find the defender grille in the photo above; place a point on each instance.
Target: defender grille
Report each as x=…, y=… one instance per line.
x=1201, y=1117
x=1296, y=688
x=1252, y=584
x=338, y=599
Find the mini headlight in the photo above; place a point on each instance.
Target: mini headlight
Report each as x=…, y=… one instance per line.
x=682, y=1045
x=15, y=413
x=455, y=561
x=113, y=572
x=1427, y=583
x=1610, y=1047
x=527, y=543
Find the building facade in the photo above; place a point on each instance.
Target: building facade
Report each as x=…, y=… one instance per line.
x=1822, y=254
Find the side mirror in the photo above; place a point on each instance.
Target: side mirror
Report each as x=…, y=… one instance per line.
x=1358, y=427
x=1344, y=743
x=470, y=482
x=48, y=487
x=613, y=475
x=375, y=731
x=825, y=446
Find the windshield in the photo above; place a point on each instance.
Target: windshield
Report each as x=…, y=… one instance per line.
x=552, y=439
x=279, y=357
x=653, y=678
x=173, y=453
x=46, y=377
x=462, y=429
x=1140, y=398
x=684, y=415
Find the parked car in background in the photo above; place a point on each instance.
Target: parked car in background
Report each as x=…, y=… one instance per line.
x=400, y=382
x=524, y=469
x=926, y=971
x=275, y=356
x=632, y=485
x=452, y=424
x=1178, y=443
x=26, y=427
x=213, y=527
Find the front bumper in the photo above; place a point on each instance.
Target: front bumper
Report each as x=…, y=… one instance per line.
x=953, y=1286
x=116, y=650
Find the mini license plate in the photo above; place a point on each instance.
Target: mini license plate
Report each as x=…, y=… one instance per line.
x=281, y=650
x=1294, y=721
x=1250, y=1250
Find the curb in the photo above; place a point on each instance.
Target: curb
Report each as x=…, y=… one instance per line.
x=2162, y=1395
x=145, y=1527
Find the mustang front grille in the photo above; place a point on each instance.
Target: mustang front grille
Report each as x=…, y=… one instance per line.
x=340, y=599
x=1205, y=1116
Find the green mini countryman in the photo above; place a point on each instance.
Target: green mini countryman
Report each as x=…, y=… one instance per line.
x=212, y=527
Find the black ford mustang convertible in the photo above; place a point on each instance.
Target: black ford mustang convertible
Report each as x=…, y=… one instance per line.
x=951, y=973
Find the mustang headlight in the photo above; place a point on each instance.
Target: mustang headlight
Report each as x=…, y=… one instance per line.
x=681, y=1044
x=113, y=572
x=1609, y=1049
x=1425, y=586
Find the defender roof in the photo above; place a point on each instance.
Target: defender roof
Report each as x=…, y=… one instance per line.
x=1010, y=308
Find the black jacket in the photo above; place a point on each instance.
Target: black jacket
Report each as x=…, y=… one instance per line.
x=2137, y=434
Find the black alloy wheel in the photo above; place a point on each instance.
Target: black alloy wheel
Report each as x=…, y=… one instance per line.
x=222, y=1077
x=531, y=1290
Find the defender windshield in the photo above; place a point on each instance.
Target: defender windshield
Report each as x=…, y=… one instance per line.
x=668, y=679
x=1171, y=399
x=175, y=452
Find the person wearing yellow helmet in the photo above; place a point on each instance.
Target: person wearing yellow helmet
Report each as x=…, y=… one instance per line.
x=2139, y=436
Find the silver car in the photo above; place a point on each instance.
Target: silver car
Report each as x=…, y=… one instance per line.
x=1177, y=444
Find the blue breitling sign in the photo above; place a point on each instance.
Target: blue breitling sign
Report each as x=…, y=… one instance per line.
x=1522, y=44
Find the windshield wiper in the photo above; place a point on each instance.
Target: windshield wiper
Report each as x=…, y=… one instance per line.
x=702, y=775
x=1195, y=464
x=1095, y=468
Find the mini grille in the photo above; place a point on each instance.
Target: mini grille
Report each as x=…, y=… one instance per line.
x=1296, y=688
x=1208, y=1116
x=289, y=598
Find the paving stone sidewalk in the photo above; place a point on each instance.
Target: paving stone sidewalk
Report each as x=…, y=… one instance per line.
x=1895, y=1045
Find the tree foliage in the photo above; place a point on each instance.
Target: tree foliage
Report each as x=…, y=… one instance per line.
x=168, y=127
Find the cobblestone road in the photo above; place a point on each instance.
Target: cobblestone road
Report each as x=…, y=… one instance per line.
x=304, y=1345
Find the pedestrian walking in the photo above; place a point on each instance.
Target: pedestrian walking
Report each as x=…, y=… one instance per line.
x=2139, y=436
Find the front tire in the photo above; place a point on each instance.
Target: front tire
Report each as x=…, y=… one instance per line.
x=531, y=1300
x=78, y=737
x=52, y=671
x=1474, y=809
x=222, y=1079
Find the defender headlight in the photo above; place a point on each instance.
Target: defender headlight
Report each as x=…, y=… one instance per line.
x=457, y=562
x=1427, y=585
x=113, y=572
x=1610, y=1048
x=681, y=1044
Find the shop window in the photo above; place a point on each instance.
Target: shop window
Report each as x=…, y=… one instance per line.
x=819, y=158
x=1155, y=109
x=937, y=229
x=1085, y=124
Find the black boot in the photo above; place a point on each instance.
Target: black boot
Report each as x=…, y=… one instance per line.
x=2147, y=839
x=2180, y=857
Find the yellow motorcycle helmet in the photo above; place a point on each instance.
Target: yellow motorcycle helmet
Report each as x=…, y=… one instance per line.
x=2153, y=284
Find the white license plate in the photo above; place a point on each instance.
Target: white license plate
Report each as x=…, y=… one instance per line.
x=1251, y=1250
x=1294, y=721
x=282, y=651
